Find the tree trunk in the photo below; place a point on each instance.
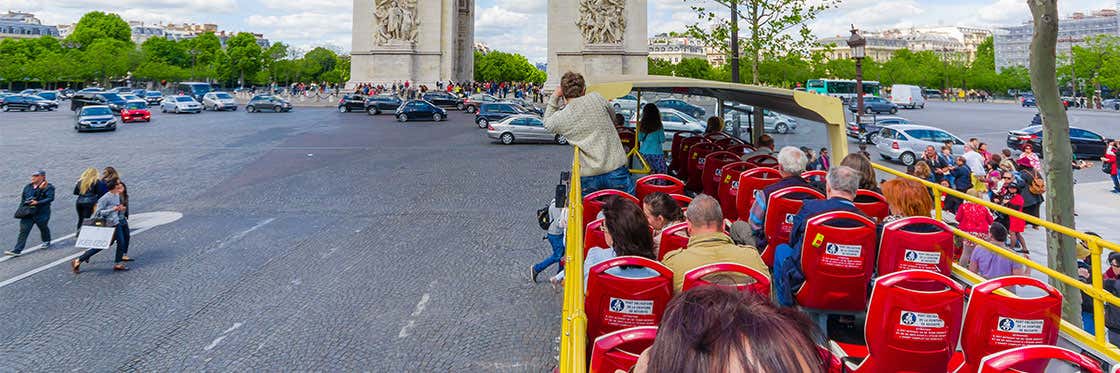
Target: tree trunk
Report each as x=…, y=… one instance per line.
x=1056, y=146
x=754, y=42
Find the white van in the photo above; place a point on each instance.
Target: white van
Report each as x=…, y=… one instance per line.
x=907, y=96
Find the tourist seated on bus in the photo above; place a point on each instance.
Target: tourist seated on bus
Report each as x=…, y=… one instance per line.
x=708, y=244
x=906, y=198
x=793, y=161
x=861, y=163
x=716, y=329
x=765, y=146
x=842, y=183
x=627, y=233
x=715, y=125
x=587, y=121
x=662, y=211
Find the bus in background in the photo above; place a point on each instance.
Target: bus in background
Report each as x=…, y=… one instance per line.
x=844, y=89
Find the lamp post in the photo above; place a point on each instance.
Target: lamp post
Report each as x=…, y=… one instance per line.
x=858, y=44
x=945, y=60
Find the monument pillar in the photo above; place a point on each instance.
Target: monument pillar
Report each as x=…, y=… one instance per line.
x=596, y=38
x=420, y=41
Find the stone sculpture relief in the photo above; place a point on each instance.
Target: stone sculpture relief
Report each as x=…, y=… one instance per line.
x=397, y=21
x=602, y=21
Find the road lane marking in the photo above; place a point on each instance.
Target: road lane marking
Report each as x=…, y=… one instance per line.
x=222, y=336
x=406, y=330
x=37, y=248
x=139, y=221
x=240, y=235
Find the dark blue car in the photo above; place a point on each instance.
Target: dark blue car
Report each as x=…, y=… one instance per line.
x=420, y=110
x=681, y=106
x=872, y=104
x=496, y=111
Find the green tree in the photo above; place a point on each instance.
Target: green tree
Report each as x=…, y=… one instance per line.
x=95, y=26
x=657, y=66
x=323, y=60
x=501, y=66
x=1090, y=61
x=107, y=59
x=166, y=52
x=204, y=52
x=244, y=56
x=155, y=71
x=697, y=68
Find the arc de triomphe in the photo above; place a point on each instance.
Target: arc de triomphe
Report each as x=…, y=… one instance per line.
x=424, y=41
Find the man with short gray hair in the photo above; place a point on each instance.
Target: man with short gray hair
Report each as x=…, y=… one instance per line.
x=708, y=244
x=842, y=183
x=792, y=161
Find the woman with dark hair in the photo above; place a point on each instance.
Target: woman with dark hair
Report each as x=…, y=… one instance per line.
x=715, y=125
x=652, y=139
x=715, y=329
x=627, y=234
x=662, y=211
x=860, y=163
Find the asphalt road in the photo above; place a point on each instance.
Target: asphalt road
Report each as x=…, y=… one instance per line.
x=312, y=240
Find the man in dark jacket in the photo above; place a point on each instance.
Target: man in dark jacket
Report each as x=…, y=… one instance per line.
x=38, y=194
x=793, y=162
x=842, y=184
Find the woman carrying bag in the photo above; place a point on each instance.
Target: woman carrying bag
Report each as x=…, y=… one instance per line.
x=109, y=207
x=89, y=189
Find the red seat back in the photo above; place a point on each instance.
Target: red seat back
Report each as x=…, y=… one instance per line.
x=740, y=149
x=697, y=155
x=760, y=284
x=1013, y=359
x=620, y=350
x=994, y=322
x=713, y=170
x=873, y=204
x=682, y=200
x=750, y=181
x=593, y=236
x=592, y=203
x=837, y=258
x=716, y=136
x=815, y=175
x=626, y=135
x=671, y=239
x=902, y=248
x=657, y=183
x=910, y=330
x=679, y=162
x=728, y=141
x=729, y=187
x=782, y=205
x=615, y=303
x=763, y=160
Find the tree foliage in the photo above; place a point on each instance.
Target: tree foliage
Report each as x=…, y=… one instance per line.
x=94, y=26
x=505, y=67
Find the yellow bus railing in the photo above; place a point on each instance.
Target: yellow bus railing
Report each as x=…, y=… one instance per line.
x=1098, y=340
x=573, y=325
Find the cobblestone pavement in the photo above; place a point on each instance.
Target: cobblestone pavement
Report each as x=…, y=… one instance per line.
x=310, y=240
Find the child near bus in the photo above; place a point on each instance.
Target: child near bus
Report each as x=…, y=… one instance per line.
x=991, y=265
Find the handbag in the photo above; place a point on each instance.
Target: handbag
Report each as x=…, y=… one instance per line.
x=1038, y=186
x=25, y=210
x=87, y=199
x=543, y=219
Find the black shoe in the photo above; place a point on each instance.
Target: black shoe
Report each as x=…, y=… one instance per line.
x=534, y=272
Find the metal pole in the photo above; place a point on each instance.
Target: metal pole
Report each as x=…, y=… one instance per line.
x=859, y=90
x=734, y=41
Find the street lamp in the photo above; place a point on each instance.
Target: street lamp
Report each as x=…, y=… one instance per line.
x=858, y=44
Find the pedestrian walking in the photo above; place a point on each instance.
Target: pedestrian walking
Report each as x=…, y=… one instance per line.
x=34, y=210
x=1111, y=155
x=558, y=217
x=652, y=139
x=89, y=189
x=110, y=208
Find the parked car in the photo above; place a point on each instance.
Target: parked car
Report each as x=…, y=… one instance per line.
x=681, y=106
x=772, y=122
x=1112, y=103
x=153, y=97
x=1027, y=101
x=90, y=90
x=30, y=91
x=268, y=102
x=95, y=118
x=906, y=142
x=194, y=90
x=27, y=103
x=522, y=128
x=136, y=111
x=1086, y=144
x=471, y=104
x=50, y=96
x=866, y=132
x=351, y=102
x=374, y=105
x=496, y=111
x=908, y=96
x=115, y=101
x=872, y=104
x=180, y=104
x=218, y=101
x=673, y=121
x=931, y=93
x=443, y=99
x=420, y=109
x=129, y=97
x=525, y=104
x=65, y=94
x=627, y=102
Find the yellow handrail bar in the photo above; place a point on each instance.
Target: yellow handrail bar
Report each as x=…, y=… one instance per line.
x=573, y=325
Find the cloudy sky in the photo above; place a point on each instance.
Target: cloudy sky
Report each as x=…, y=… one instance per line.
x=515, y=25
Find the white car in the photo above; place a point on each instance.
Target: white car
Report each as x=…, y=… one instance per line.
x=907, y=142
x=674, y=121
x=908, y=96
x=772, y=122
x=180, y=104
x=628, y=103
x=218, y=101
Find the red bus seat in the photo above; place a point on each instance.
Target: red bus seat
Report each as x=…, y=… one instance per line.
x=671, y=239
x=716, y=136
x=592, y=203
x=593, y=236
x=657, y=183
x=994, y=322
x=910, y=330
x=783, y=204
x=712, y=173
x=1011, y=360
x=619, y=350
x=728, y=141
x=873, y=204
x=741, y=149
x=682, y=200
x=901, y=247
x=837, y=260
x=758, y=284
x=697, y=155
x=750, y=181
x=729, y=187
x=627, y=137
x=815, y=175
x=763, y=160
x=615, y=303
x=679, y=161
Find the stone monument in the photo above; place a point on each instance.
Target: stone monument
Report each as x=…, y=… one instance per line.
x=596, y=38
x=420, y=41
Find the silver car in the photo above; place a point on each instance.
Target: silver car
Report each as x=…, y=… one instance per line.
x=522, y=128
x=772, y=122
x=627, y=102
x=180, y=104
x=218, y=101
x=907, y=142
x=674, y=121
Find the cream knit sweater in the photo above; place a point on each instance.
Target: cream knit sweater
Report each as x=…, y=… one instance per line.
x=587, y=122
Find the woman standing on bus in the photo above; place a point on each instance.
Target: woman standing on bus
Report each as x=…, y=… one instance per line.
x=652, y=138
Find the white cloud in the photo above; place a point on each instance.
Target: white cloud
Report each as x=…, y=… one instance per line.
x=304, y=29
x=524, y=6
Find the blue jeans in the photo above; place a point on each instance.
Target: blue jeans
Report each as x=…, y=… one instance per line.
x=120, y=235
x=783, y=290
x=617, y=179
x=41, y=220
x=557, y=242
x=1116, y=181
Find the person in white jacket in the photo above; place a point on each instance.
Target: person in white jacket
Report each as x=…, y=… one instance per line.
x=587, y=121
x=558, y=214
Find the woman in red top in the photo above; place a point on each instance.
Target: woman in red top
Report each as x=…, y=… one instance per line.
x=1110, y=159
x=1014, y=200
x=975, y=219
